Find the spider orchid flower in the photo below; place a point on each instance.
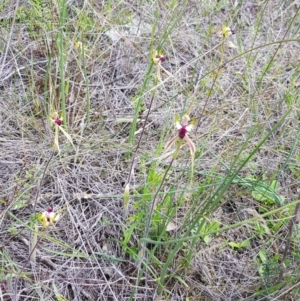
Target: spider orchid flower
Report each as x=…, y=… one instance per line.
x=226, y=31
x=56, y=119
x=58, y=122
x=48, y=217
x=183, y=128
x=157, y=56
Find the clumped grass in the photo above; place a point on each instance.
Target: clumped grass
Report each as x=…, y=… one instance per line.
x=90, y=92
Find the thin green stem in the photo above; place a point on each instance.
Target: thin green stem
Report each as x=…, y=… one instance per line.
x=62, y=59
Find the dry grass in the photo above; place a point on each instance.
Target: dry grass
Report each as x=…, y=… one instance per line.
x=85, y=258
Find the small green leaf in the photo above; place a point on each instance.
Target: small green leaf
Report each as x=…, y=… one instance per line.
x=234, y=245
x=262, y=255
x=206, y=239
x=245, y=243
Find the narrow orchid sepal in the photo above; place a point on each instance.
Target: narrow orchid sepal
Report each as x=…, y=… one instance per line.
x=170, y=142
x=191, y=145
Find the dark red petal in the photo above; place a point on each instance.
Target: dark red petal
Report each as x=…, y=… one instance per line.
x=182, y=131
x=58, y=121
